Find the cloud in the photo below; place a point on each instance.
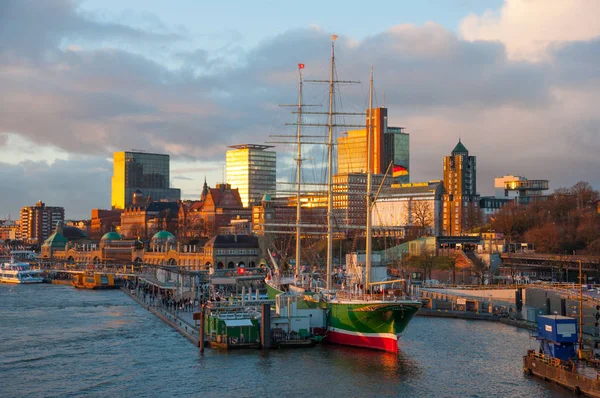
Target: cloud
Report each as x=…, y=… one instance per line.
x=35, y=29
x=529, y=27
x=78, y=184
x=81, y=89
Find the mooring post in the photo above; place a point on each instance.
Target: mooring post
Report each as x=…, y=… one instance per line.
x=266, y=326
x=202, y=330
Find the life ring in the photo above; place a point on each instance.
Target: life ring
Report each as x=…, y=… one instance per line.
x=234, y=340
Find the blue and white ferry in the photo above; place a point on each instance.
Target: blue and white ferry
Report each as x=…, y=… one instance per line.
x=19, y=272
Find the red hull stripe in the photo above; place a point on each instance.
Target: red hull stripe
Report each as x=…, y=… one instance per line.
x=372, y=342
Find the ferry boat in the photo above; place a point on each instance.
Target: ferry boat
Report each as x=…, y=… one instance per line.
x=20, y=273
x=91, y=280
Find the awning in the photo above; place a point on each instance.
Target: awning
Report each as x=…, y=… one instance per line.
x=237, y=322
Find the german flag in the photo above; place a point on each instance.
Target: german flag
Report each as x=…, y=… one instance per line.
x=398, y=171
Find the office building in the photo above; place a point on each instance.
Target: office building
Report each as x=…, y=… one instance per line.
x=251, y=169
x=389, y=145
x=519, y=189
x=460, y=201
x=147, y=173
x=38, y=222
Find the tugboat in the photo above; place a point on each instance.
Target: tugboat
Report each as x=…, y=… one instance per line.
x=92, y=280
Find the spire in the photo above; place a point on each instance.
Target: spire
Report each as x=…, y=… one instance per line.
x=460, y=149
x=204, y=190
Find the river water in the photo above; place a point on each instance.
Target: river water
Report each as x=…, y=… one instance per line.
x=57, y=341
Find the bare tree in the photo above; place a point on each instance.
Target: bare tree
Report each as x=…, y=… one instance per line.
x=422, y=215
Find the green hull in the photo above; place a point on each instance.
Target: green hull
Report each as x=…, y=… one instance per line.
x=369, y=317
x=373, y=325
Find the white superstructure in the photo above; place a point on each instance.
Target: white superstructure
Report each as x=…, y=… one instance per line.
x=19, y=272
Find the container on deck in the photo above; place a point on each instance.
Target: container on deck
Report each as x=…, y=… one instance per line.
x=557, y=328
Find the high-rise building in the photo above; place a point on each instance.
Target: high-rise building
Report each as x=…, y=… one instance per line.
x=461, y=202
x=252, y=170
x=38, y=222
x=147, y=173
x=389, y=145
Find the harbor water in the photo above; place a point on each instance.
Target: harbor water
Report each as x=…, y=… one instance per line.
x=58, y=341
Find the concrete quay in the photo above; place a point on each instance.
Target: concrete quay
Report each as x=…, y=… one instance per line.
x=182, y=322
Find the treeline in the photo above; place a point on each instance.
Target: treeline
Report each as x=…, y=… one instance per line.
x=567, y=222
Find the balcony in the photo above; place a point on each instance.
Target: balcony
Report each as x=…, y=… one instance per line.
x=526, y=185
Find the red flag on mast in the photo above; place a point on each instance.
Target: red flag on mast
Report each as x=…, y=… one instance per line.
x=300, y=66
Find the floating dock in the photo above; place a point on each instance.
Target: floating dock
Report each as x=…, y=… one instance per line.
x=579, y=379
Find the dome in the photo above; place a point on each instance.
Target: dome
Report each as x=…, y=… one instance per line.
x=163, y=236
x=73, y=233
x=111, y=236
x=56, y=240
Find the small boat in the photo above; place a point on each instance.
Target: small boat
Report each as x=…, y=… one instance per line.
x=92, y=280
x=20, y=273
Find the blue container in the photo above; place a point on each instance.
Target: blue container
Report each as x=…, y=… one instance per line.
x=562, y=351
x=557, y=328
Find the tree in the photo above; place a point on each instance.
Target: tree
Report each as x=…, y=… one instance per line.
x=422, y=215
x=585, y=196
x=546, y=238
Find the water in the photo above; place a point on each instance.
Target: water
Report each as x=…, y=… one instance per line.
x=57, y=341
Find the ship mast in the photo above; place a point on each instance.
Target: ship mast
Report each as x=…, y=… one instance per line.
x=298, y=173
x=330, y=167
x=369, y=231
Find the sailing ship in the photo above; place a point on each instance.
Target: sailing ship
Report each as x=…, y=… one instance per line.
x=354, y=318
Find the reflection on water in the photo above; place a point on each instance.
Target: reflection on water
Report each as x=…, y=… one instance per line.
x=59, y=341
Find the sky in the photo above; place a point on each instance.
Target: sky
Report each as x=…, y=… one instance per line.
x=517, y=80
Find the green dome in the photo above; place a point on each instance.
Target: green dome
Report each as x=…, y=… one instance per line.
x=163, y=235
x=112, y=236
x=56, y=240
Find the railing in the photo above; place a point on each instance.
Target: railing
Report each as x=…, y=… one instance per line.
x=236, y=304
x=551, y=361
x=345, y=295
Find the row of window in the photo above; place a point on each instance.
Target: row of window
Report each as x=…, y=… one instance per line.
x=235, y=251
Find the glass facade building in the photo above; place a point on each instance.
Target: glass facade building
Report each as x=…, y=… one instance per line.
x=146, y=172
x=252, y=170
x=397, y=150
x=390, y=145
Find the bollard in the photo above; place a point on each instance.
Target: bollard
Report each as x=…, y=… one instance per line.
x=202, y=330
x=266, y=326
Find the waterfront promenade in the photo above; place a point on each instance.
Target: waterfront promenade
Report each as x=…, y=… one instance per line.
x=175, y=313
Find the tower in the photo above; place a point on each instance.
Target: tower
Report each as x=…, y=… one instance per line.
x=389, y=145
x=252, y=170
x=460, y=200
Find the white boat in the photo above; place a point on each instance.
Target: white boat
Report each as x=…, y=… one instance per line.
x=19, y=272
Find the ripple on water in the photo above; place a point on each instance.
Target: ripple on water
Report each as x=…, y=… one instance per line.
x=60, y=341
